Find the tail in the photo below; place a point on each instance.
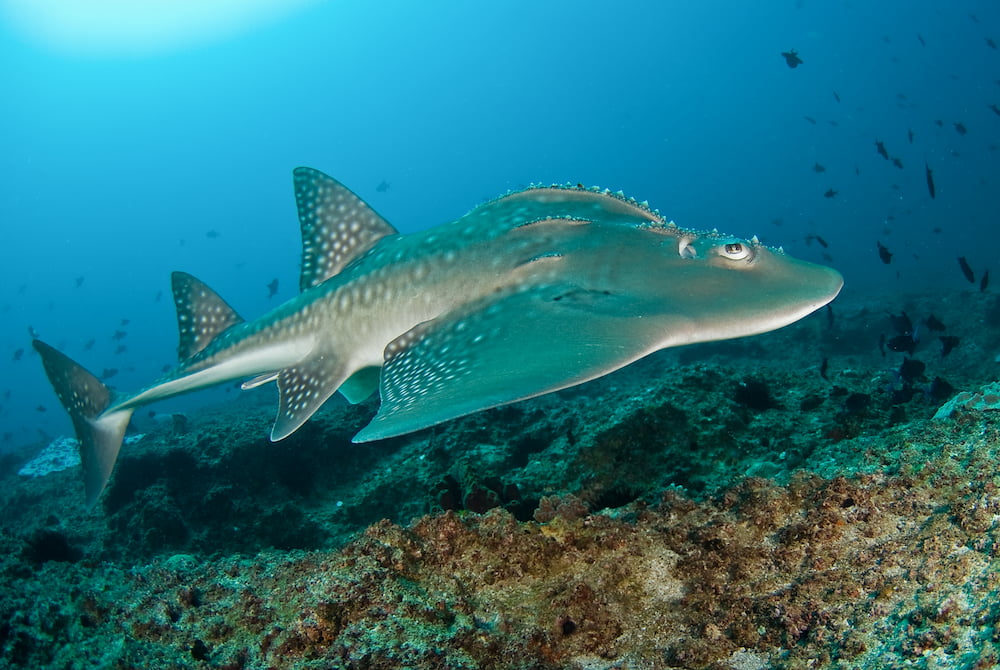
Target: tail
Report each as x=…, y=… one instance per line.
x=86, y=399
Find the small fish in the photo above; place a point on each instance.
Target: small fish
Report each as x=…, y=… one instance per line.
x=830, y=193
x=792, y=59
x=89, y=344
x=212, y=234
x=966, y=270
x=119, y=335
x=939, y=123
x=990, y=43
x=818, y=168
x=996, y=110
x=901, y=323
x=125, y=322
x=960, y=128
x=930, y=180
x=934, y=323
x=909, y=135
x=78, y=282
x=857, y=171
x=884, y=253
x=810, y=237
x=830, y=318
x=824, y=366
x=920, y=38
x=121, y=349
x=897, y=162
x=836, y=96
x=902, y=344
x=880, y=148
x=18, y=353
x=810, y=119
x=158, y=297
x=984, y=281
x=948, y=342
x=383, y=186
x=108, y=373
x=272, y=288
x=32, y=332
x=41, y=408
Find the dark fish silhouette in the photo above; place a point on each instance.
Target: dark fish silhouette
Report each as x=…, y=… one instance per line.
x=996, y=110
x=901, y=323
x=89, y=344
x=810, y=237
x=810, y=119
x=212, y=234
x=934, y=323
x=984, y=281
x=41, y=408
x=272, y=288
x=909, y=135
x=818, y=168
x=966, y=270
x=121, y=349
x=880, y=148
x=921, y=40
x=32, y=332
x=948, y=342
x=897, y=162
x=79, y=282
x=18, y=353
x=960, y=128
x=108, y=373
x=158, y=297
x=830, y=193
x=902, y=344
x=990, y=43
x=383, y=186
x=125, y=322
x=824, y=366
x=884, y=253
x=830, y=318
x=119, y=335
x=930, y=180
x=792, y=59
x=836, y=96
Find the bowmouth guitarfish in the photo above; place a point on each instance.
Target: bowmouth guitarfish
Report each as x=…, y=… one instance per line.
x=533, y=292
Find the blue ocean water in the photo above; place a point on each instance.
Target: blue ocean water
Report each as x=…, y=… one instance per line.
x=127, y=155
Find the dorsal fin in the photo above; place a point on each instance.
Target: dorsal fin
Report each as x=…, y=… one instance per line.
x=337, y=226
x=201, y=314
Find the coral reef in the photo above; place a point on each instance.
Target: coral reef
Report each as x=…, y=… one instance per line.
x=721, y=506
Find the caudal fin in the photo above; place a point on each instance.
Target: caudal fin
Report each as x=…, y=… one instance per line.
x=86, y=398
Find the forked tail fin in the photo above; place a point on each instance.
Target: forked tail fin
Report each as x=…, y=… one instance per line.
x=86, y=399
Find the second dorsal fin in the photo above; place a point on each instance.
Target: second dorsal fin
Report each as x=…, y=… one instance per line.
x=337, y=226
x=201, y=314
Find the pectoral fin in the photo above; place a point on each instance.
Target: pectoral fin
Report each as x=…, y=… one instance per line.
x=499, y=351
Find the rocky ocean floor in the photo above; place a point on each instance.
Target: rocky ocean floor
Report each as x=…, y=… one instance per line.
x=782, y=501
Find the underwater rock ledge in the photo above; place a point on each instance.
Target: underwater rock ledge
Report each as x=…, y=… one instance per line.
x=873, y=571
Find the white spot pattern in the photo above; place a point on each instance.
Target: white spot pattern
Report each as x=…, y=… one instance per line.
x=337, y=226
x=201, y=314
